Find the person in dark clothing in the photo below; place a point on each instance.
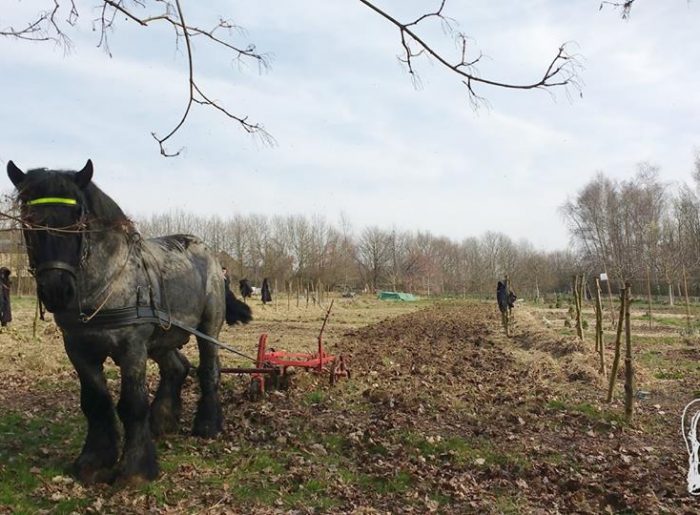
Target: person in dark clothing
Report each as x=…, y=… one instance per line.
x=5, y=305
x=246, y=288
x=506, y=301
x=501, y=297
x=265, y=294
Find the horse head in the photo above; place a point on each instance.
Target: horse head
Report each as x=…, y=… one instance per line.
x=52, y=211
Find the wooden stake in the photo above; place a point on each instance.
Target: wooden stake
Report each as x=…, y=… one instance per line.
x=599, y=327
x=687, y=301
x=506, y=319
x=618, y=345
x=612, y=309
x=577, y=304
x=629, y=371
x=649, y=294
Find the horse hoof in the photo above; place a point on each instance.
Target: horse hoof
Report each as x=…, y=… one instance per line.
x=131, y=481
x=88, y=475
x=206, y=430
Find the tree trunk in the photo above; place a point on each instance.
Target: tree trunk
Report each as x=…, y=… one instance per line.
x=670, y=294
x=618, y=345
x=687, y=300
x=629, y=371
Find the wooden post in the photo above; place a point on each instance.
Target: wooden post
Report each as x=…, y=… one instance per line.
x=577, y=304
x=612, y=309
x=629, y=371
x=288, y=285
x=507, y=313
x=649, y=293
x=618, y=345
x=36, y=319
x=599, y=327
x=687, y=301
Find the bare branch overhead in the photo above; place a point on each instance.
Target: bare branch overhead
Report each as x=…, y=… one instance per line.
x=562, y=70
x=55, y=23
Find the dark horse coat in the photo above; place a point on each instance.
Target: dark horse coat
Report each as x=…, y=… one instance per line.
x=90, y=262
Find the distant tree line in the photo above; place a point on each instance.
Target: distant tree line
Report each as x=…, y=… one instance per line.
x=639, y=230
x=306, y=251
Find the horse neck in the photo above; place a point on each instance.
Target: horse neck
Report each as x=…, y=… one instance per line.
x=107, y=260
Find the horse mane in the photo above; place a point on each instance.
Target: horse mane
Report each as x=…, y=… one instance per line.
x=178, y=242
x=42, y=182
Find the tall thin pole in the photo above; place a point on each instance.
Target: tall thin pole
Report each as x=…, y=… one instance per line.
x=618, y=345
x=687, y=301
x=629, y=371
x=649, y=293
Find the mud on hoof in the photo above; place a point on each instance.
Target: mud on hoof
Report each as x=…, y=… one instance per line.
x=90, y=469
x=207, y=428
x=123, y=480
x=209, y=420
x=131, y=474
x=163, y=420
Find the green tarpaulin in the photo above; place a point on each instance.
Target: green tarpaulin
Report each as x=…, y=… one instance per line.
x=396, y=295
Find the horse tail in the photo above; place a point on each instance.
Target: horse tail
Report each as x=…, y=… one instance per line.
x=237, y=312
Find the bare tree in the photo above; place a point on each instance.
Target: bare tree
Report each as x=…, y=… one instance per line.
x=373, y=254
x=57, y=21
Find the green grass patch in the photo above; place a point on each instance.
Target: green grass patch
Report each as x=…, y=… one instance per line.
x=315, y=397
x=669, y=375
x=463, y=451
x=591, y=412
x=33, y=450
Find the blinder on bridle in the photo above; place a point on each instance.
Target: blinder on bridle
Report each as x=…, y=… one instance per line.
x=78, y=227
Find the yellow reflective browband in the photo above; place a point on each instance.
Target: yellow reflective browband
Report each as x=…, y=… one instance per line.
x=52, y=200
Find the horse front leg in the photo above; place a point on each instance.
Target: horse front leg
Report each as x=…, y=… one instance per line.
x=138, y=462
x=100, y=449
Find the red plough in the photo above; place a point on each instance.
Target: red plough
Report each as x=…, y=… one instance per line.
x=271, y=365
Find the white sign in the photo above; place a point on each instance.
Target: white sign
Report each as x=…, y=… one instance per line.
x=603, y=277
x=690, y=435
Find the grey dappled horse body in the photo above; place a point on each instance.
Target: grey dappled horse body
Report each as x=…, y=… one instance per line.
x=89, y=259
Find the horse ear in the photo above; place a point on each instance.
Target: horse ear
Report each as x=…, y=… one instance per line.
x=83, y=177
x=15, y=174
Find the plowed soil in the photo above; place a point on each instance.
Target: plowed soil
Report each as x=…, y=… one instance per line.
x=443, y=413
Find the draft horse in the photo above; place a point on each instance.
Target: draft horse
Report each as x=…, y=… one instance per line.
x=114, y=294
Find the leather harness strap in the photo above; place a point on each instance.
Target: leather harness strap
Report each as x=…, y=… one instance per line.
x=135, y=315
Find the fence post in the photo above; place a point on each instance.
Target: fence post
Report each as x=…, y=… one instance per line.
x=599, y=326
x=629, y=371
x=618, y=345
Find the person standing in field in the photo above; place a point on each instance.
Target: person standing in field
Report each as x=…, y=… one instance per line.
x=265, y=294
x=5, y=304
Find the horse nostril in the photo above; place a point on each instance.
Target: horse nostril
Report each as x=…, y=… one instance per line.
x=56, y=289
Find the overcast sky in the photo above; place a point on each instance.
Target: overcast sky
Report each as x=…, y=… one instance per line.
x=353, y=134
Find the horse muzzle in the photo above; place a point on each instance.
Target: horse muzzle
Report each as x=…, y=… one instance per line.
x=56, y=285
